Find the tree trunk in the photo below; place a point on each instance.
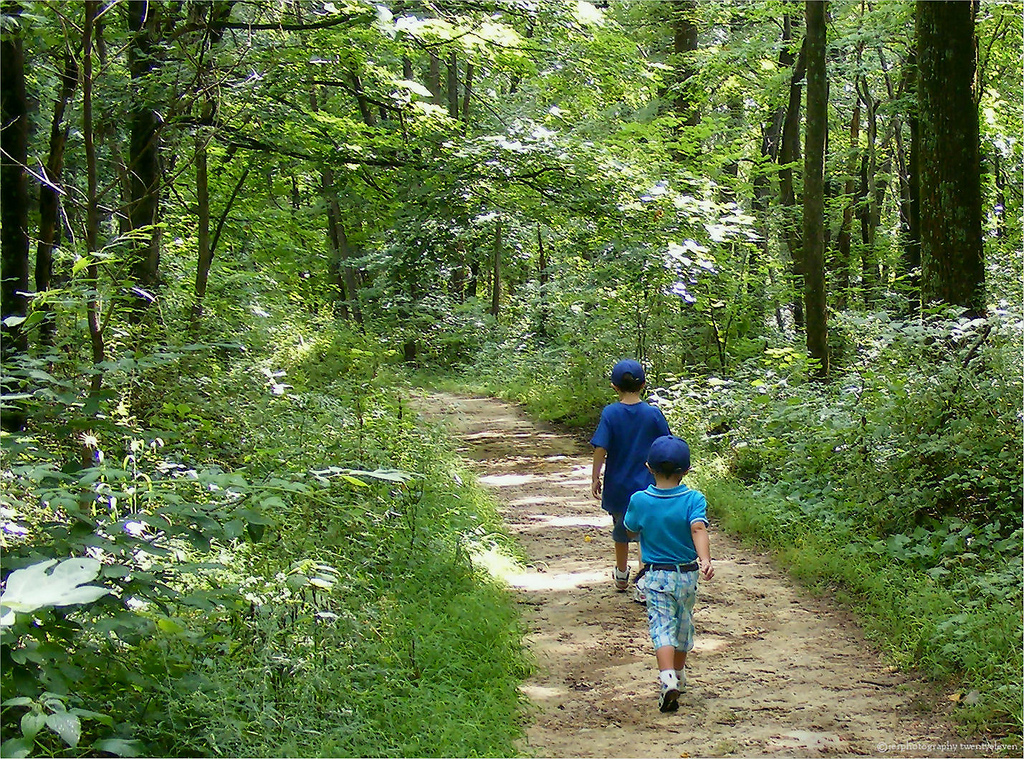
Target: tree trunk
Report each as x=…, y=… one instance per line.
x=144, y=154
x=906, y=164
x=473, y=288
x=466, y=95
x=949, y=166
x=369, y=118
x=911, y=249
x=348, y=274
x=92, y=221
x=14, y=242
x=544, y=276
x=49, y=191
x=496, y=270
x=335, y=233
x=457, y=282
x=203, y=212
x=684, y=42
x=814, y=189
x=789, y=154
x=340, y=272
x=842, y=277
x=771, y=136
x=869, y=208
x=879, y=266
x=219, y=13
x=452, y=86
x=434, y=78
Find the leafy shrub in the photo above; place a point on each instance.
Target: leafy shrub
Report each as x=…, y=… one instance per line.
x=909, y=458
x=283, y=551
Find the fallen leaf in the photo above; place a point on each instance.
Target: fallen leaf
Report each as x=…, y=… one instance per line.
x=955, y=698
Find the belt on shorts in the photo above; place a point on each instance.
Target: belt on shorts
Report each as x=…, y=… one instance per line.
x=691, y=567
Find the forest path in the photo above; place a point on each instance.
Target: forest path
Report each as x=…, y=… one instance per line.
x=774, y=671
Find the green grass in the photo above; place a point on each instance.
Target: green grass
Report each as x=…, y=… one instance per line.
x=944, y=632
x=353, y=623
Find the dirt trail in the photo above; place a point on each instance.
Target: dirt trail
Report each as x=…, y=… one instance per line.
x=774, y=671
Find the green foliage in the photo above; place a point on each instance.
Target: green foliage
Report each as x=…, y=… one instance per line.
x=254, y=450
x=898, y=487
x=908, y=429
x=932, y=606
x=283, y=558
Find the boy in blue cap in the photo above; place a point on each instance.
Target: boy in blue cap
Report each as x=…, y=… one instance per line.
x=623, y=437
x=671, y=521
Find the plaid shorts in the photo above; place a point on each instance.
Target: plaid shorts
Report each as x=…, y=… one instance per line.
x=670, y=600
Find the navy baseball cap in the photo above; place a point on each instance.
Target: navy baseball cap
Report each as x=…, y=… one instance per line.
x=628, y=366
x=669, y=454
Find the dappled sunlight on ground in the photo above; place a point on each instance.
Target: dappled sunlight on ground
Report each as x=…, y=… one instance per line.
x=541, y=693
x=551, y=582
x=508, y=570
x=705, y=643
x=597, y=520
x=507, y=480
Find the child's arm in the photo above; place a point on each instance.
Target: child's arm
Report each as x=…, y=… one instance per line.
x=699, y=531
x=595, y=479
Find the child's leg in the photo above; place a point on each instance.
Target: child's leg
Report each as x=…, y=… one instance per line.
x=621, y=556
x=668, y=658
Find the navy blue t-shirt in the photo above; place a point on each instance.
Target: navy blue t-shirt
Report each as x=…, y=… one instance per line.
x=626, y=431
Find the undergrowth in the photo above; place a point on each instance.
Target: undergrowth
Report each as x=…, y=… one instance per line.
x=286, y=551
x=965, y=630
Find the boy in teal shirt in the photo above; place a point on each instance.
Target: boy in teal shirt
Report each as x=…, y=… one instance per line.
x=671, y=521
x=623, y=437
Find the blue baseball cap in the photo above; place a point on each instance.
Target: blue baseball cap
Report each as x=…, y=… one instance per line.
x=669, y=455
x=628, y=366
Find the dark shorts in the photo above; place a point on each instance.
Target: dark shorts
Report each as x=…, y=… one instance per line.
x=619, y=534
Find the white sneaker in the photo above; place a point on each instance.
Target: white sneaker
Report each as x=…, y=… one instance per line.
x=621, y=578
x=669, y=699
x=638, y=594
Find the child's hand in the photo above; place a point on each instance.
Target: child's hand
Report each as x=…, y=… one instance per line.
x=706, y=570
x=595, y=487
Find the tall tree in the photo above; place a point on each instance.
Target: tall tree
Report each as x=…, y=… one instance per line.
x=814, y=186
x=842, y=263
x=219, y=12
x=496, y=270
x=144, y=147
x=50, y=190
x=868, y=208
x=684, y=43
x=92, y=222
x=789, y=154
x=949, y=170
x=14, y=239
x=683, y=94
